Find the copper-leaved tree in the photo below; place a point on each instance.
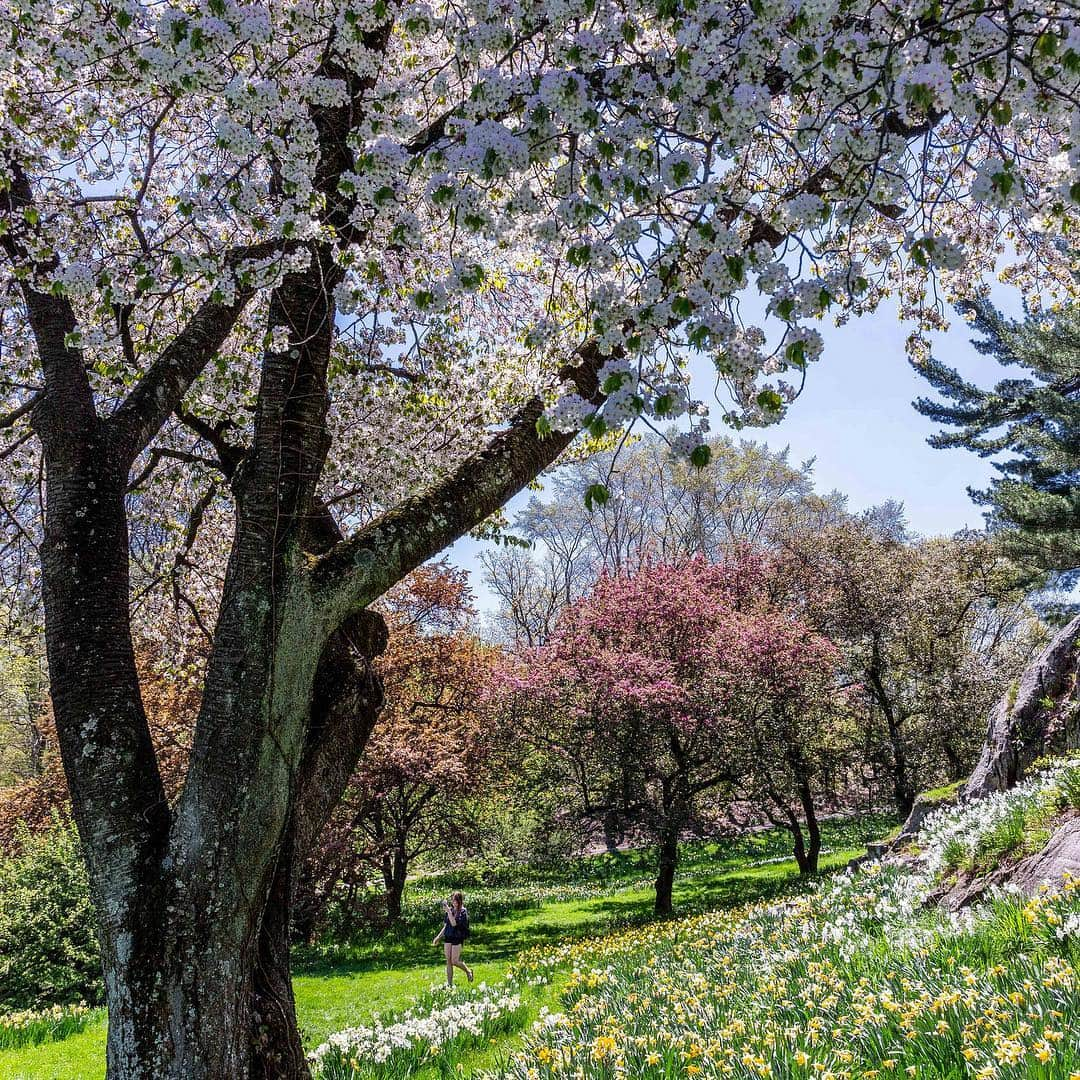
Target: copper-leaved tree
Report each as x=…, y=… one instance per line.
x=423, y=765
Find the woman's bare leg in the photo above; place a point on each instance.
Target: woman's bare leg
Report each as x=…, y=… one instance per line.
x=457, y=962
x=449, y=950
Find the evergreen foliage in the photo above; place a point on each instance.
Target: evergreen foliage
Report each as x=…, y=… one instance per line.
x=1035, y=419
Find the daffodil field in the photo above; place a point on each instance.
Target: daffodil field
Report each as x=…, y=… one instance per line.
x=28, y=1027
x=860, y=978
x=441, y=1025
x=854, y=980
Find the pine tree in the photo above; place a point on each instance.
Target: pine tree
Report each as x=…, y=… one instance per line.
x=1036, y=499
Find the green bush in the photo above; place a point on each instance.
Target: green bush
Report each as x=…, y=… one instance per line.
x=48, y=947
x=1069, y=789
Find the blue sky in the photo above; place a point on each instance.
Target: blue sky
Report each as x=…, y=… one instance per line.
x=856, y=420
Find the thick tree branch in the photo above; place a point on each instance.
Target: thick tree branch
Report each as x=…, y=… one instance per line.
x=167, y=381
x=361, y=568
x=67, y=392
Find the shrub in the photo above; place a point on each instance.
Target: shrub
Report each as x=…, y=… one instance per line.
x=48, y=947
x=1068, y=785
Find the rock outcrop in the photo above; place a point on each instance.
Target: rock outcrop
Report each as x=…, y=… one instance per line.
x=1049, y=866
x=1061, y=856
x=1035, y=717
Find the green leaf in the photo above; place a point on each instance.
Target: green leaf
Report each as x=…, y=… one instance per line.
x=770, y=401
x=596, y=495
x=1047, y=43
x=701, y=456
x=578, y=255
x=543, y=426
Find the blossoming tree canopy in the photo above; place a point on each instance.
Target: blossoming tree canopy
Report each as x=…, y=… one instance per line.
x=532, y=174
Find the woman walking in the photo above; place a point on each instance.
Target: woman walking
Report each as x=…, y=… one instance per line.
x=453, y=934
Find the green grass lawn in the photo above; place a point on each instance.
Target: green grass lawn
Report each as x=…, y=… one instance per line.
x=346, y=988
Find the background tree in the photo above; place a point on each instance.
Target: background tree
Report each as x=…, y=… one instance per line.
x=1034, y=505
x=932, y=632
x=656, y=509
x=22, y=692
x=792, y=742
x=639, y=701
x=1035, y=417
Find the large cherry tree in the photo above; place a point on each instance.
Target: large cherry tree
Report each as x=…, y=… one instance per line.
x=295, y=292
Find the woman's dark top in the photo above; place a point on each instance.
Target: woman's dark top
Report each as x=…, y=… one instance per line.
x=455, y=935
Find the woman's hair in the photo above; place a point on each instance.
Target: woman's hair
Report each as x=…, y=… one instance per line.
x=457, y=898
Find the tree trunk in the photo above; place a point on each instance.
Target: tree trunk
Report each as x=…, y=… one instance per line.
x=117, y=797
x=903, y=786
x=346, y=703
x=1020, y=726
x=667, y=863
x=811, y=850
x=276, y=1048
x=395, y=887
x=194, y=909
x=307, y=908
x=612, y=832
x=798, y=844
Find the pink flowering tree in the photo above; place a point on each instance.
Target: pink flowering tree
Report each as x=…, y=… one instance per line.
x=791, y=725
x=294, y=294
x=653, y=687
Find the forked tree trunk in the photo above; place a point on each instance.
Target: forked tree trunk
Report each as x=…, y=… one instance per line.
x=808, y=851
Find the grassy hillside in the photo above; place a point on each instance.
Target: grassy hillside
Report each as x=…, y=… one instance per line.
x=857, y=976
x=345, y=983
x=862, y=978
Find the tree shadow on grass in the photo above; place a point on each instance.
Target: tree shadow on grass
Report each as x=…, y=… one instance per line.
x=503, y=938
